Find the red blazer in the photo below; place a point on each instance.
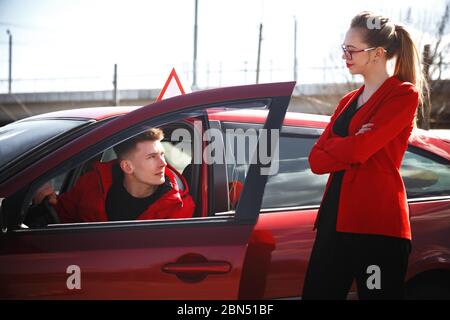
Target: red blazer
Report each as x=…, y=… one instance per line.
x=373, y=196
x=85, y=202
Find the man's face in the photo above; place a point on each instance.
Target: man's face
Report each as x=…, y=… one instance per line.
x=147, y=163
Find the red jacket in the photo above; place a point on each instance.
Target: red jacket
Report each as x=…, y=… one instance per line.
x=85, y=202
x=373, y=196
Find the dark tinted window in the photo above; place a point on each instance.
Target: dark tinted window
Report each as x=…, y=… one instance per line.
x=424, y=174
x=19, y=138
x=294, y=184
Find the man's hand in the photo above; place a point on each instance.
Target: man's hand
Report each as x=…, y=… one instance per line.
x=44, y=191
x=364, y=128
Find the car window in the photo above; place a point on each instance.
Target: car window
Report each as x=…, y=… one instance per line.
x=19, y=138
x=72, y=190
x=425, y=175
x=295, y=184
x=292, y=184
x=183, y=148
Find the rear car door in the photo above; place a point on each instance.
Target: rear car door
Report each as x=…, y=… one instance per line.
x=196, y=258
x=282, y=239
x=426, y=176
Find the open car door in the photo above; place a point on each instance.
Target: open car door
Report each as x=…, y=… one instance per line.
x=195, y=258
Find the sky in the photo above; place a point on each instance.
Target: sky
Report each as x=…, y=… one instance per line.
x=69, y=45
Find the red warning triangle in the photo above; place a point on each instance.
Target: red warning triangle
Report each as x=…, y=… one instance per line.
x=172, y=87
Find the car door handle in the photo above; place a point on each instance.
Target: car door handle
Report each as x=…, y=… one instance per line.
x=208, y=267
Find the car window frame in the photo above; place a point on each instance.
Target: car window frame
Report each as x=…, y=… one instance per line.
x=292, y=130
x=74, y=174
x=90, y=151
x=217, y=177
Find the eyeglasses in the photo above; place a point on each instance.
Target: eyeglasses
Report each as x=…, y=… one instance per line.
x=349, y=53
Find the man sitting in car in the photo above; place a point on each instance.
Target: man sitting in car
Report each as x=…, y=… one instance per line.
x=136, y=186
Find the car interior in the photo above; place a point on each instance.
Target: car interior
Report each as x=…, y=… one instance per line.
x=179, y=160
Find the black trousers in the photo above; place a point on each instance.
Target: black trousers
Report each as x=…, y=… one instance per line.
x=377, y=263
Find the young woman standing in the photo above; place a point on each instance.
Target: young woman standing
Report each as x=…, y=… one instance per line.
x=363, y=230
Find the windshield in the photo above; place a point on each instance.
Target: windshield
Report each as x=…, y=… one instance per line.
x=18, y=138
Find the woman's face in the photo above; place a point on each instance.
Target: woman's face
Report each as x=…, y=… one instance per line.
x=357, y=62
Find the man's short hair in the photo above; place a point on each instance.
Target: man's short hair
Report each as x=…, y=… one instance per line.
x=153, y=134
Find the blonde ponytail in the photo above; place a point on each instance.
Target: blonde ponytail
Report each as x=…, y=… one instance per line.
x=407, y=65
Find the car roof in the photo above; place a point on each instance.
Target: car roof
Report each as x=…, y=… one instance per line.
x=96, y=113
x=259, y=116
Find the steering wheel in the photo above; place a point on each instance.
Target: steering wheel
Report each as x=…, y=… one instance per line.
x=52, y=212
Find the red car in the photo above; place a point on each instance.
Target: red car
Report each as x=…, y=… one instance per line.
x=251, y=234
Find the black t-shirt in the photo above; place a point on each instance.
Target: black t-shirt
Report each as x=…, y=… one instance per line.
x=330, y=204
x=120, y=205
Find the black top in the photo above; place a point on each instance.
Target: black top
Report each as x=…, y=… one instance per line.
x=330, y=204
x=121, y=206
